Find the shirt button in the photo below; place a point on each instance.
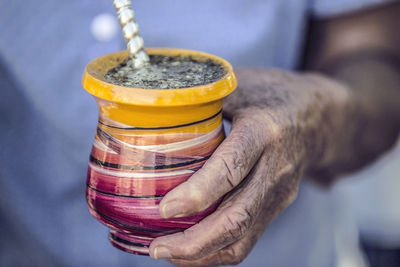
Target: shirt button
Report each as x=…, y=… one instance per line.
x=104, y=27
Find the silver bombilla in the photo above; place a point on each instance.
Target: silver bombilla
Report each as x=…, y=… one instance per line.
x=130, y=29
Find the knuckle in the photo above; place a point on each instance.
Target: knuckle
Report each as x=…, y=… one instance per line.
x=272, y=127
x=195, y=197
x=234, y=255
x=192, y=250
x=237, y=261
x=266, y=125
x=292, y=196
x=288, y=184
x=288, y=195
x=232, y=167
x=237, y=223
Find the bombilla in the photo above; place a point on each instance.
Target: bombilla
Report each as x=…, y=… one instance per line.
x=130, y=29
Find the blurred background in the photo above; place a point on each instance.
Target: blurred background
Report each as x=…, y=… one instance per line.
x=48, y=122
x=371, y=199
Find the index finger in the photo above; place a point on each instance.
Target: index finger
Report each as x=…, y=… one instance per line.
x=225, y=169
x=231, y=222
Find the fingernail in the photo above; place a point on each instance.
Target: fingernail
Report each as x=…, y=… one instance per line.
x=172, y=209
x=162, y=253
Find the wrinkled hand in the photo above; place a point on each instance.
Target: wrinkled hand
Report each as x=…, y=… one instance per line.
x=257, y=168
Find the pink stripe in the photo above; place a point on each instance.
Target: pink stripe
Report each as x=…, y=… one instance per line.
x=139, y=213
x=149, y=186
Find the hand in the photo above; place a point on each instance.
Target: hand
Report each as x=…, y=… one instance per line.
x=257, y=168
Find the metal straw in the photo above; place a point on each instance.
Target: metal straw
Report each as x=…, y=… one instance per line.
x=130, y=29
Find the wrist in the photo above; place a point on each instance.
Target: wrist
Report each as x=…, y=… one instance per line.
x=323, y=121
x=368, y=121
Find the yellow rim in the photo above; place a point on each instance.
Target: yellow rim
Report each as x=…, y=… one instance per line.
x=94, y=82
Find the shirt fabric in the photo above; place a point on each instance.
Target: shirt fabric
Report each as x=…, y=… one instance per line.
x=48, y=121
